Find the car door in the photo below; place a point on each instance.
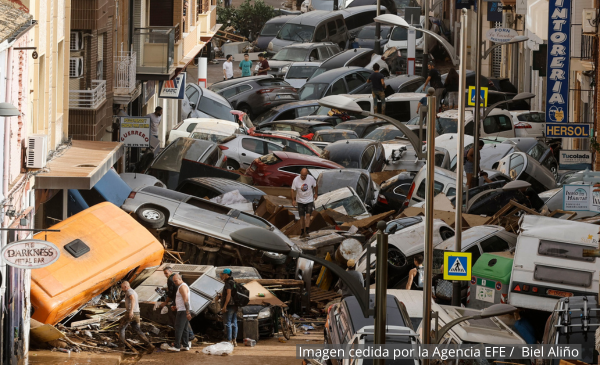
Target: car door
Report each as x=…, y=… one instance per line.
x=366, y=160
x=189, y=102
x=230, y=94
x=200, y=215
x=498, y=126
x=337, y=88
x=355, y=83
x=323, y=53
x=332, y=31
x=240, y=95
x=249, y=150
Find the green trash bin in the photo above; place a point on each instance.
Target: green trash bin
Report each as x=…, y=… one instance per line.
x=490, y=279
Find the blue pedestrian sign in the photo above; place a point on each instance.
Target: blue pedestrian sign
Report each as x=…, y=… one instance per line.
x=457, y=265
x=483, y=92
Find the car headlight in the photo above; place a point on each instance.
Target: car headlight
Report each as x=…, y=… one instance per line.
x=285, y=69
x=265, y=313
x=270, y=46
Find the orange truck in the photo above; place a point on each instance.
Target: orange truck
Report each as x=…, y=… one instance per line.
x=98, y=247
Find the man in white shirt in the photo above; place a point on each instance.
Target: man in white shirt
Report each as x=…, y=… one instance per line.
x=304, y=191
x=228, y=68
x=155, y=119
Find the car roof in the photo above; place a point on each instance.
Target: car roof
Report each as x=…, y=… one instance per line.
x=524, y=143
x=308, y=45
x=227, y=83
x=334, y=131
x=281, y=19
x=470, y=236
x=224, y=185
x=328, y=76
x=344, y=171
x=297, y=121
x=282, y=155
x=351, y=149
x=453, y=113
x=358, y=319
x=395, y=96
x=367, y=120
x=313, y=17
x=340, y=59
x=396, y=81
x=360, y=9
x=296, y=104
x=205, y=93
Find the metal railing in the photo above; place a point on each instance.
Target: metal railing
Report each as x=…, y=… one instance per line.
x=88, y=99
x=155, y=47
x=589, y=47
x=125, y=70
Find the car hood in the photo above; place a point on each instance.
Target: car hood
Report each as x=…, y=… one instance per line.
x=262, y=41
x=279, y=64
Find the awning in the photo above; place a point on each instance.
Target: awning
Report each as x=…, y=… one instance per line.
x=80, y=166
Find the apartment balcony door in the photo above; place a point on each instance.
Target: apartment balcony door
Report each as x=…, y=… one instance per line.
x=161, y=13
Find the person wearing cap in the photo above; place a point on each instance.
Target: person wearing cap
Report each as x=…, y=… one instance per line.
x=355, y=275
x=228, y=306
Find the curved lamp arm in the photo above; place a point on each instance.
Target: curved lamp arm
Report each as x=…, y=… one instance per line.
x=440, y=334
x=409, y=134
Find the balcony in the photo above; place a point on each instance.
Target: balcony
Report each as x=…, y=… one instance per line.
x=125, y=68
x=155, y=50
x=90, y=99
x=589, y=47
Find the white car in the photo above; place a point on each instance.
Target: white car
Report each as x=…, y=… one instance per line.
x=299, y=72
x=529, y=123
x=214, y=130
x=183, y=129
x=498, y=123
x=241, y=150
x=399, y=35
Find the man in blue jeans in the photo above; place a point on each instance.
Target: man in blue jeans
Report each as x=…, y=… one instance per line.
x=228, y=306
x=377, y=81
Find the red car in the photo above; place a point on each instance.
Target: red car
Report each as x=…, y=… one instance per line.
x=290, y=143
x=280, y=168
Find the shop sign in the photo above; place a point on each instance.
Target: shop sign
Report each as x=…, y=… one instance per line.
x=172, y=89
x=30, y=254
x=570, y=130
x=557, y=67
x=501, y=35
x=135, y=131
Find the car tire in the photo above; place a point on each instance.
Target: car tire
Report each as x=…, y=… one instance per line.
x=151, y=217
x=232, y=165
x=275, y=258
x=396, y=260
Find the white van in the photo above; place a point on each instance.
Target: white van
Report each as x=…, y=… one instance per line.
x=214, y=130
x=499, y=123
x=549, y=262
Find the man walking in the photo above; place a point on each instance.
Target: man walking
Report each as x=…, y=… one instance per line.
x=263, y=64
x=434, y=79
x=416, y=275
x=246, y=66
x=183, y=331
x=304, y=192
x=377, y=81
x=155, y=119
x=351, y=264
x=132, y=316
x=229, y=307
x=228, y=68
x=470, y=164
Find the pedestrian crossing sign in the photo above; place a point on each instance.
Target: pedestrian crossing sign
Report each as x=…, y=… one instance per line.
x=457, y=265
x=483, y=92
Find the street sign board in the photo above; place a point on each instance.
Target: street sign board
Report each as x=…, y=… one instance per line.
x=483, y=96
x=172, y=89
x=457, y=266
x=575, y=160
x=567, y=130
x=521, y=7
x=557, y=85
x=501, y=35
x=30, y=254
x=135, y=131
x=579, y=198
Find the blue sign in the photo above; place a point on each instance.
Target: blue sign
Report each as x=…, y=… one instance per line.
x=494, y=11
x=172, y=89
x=567, y=130
x=557, y=67
x=457, y=265
x=483, y=92
x=464, y=4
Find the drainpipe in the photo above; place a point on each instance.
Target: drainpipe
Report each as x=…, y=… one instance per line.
x=131, y=24
x=6, y=151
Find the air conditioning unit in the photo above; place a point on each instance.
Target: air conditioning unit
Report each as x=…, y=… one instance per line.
x=37, y=151
x=589, y=22
x=75, y=67
x=76, y=41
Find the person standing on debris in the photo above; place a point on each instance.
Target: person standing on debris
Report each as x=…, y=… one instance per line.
x=263, y=64
x=470, y=163
x=304, y=192
x=132, y=316
x=377, y=80
x=183, y=331
x=246, y=66
x=155, y=119
x=416, y=275
x=355, y=276
x=228, y=68
x=228, y=306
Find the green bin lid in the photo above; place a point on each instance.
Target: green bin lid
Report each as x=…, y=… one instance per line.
x=494, y=266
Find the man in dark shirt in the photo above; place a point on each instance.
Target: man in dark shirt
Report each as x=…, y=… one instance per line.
x=171, y=287
x=433, y=79
x=263, y=64
x=377, y=81
x=228, y=307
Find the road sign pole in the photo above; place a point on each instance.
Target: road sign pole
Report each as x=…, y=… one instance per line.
x=475, y=181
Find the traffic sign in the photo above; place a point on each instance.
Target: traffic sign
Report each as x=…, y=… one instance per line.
x=457, y=266
x=567, y=130
x=483, y=96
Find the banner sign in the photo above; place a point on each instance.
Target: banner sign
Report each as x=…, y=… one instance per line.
x=567, y=130
x=500, y=35
x=30, y=254
x=557, y=66
x=579, y=198
x=172, y=89
x=135, y=131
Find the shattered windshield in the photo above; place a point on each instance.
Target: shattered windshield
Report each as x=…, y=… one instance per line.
x=351, y=206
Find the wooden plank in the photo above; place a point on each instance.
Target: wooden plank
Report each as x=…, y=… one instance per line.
x=85, y=322
x=284, y=282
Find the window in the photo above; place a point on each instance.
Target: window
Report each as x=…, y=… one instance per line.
x=367, y=157
x=320, y=34
x=292, y=169
x=496, y=124
x=537, y=152
x=362, y=187
x=288, y=114
x=354, y=81
x=272, y=147
x=331, y=28
x=402, y=190
x=469, y=129
x=399, y=110
x=282, y=127
x=341, y=26
x=362, y=61
x=296, y=32
x=494, y=244
x=253, y=145
x=190, y=127
x=563, y=276
x=272, y=82
x=409, y=87
x=451, y=192
x=475, y=253
x=213, y=157
x=198, y=191
x=338, y=87
x=228, y=93
x=314, y=55
x=563, y=250
x=438, y=187
x=311, y=91
x=365, y=105
x=243, y=88
x=215, y=109
x=306, y=110
x=516, y=166
x=299, y=148
x=192, y=95
x=334, y=49
x=439, y=157
x=370, y=129
x=323, y=54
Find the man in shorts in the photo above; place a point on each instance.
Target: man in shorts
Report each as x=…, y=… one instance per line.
x=304, y=191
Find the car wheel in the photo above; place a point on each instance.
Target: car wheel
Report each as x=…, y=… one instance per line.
x=275, y=258
x=396, y=259
x=151, y=217
x=232, y=165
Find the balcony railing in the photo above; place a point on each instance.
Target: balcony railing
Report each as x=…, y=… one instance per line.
x=125, y=68
x=88, y=99
x=589, y=47
x=154, y=47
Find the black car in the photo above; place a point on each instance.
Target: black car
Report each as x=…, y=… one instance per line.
x=345, y=80
x=211, y=187
x=357, y=179
x=356, y=154
x=270, y=30
x=288, y=111
x=362, y=127
x=393, y=193
x=334, y=135
x=366, y=36
x=489, y=202
x=404, y=83
x=303, y=127
x=357, y=57
x=538, y=150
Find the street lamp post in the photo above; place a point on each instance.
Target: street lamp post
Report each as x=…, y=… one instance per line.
x=492, y=311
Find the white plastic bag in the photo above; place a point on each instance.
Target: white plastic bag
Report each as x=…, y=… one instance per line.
x=221, y=348
x=165, y=310
x=232, y=197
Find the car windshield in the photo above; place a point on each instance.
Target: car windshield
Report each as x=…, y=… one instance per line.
x=312, y=91
x=271, y=29
x=183, y=148
x=296, y=33
x=291, y=54
x=266, y=116
x=384, y=134
x=215, y=109
x=322, y=110
x=209, y=136
x=336, y=180
x=447, y=125
x=401, y=34
x=318, y=71
x=366, y=33
x=333, y=137
x=351, y=206
x=300, y=72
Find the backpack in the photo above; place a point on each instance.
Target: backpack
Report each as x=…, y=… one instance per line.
x=240, y=295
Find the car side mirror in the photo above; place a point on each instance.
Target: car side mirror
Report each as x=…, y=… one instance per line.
x=393, y=230
x=193, y=105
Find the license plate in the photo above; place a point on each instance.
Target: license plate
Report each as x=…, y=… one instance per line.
x=485, y=294
x=559, y=293
x=285, y=97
